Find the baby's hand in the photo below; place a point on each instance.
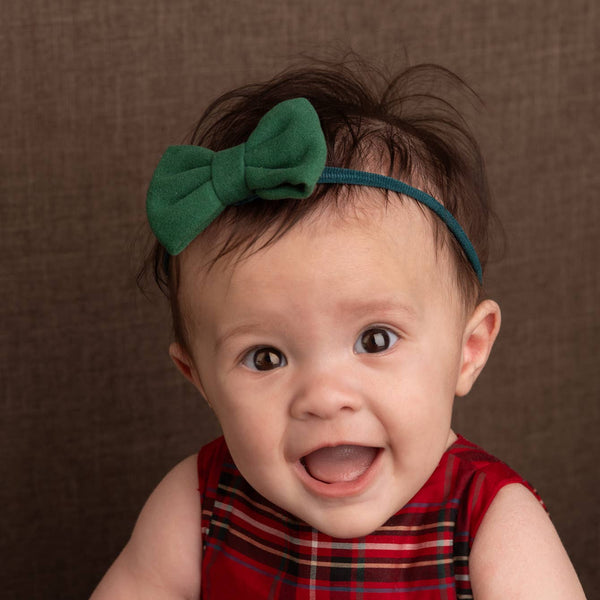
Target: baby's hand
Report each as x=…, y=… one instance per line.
x=162, y=559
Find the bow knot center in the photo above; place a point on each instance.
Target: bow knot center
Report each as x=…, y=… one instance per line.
x=229, y=175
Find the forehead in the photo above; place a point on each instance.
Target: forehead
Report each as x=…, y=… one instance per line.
x=368, y=248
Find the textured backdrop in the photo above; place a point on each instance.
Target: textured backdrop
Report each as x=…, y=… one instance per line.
x=93, y=413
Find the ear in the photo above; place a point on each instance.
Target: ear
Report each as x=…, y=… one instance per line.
x=479, y=336
x=185, y=365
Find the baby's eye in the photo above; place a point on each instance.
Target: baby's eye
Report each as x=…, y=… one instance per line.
x=264, y=359
x=376, y=339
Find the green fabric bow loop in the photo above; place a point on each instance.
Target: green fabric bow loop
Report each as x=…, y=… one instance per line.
x=283, y=158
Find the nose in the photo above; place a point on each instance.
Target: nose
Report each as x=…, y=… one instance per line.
x=325, y=396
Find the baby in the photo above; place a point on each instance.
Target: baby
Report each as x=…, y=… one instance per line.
x=324, y=262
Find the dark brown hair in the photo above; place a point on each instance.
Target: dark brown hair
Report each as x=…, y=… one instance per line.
x=367, y=117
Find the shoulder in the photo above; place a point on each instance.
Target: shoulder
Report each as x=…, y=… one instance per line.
x=172, y=507
x=163, y=556
x=166, y=541
x=517, y=552
x=476, y=477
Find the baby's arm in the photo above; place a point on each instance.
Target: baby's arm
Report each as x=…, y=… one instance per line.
x=518, y=554
x=162, y=559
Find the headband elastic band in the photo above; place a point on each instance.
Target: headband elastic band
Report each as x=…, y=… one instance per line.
x=352, y=177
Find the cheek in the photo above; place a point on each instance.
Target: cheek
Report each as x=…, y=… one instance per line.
x=420, y=395
x=439, y=363
x=256, y=448
x=429, y=372
x=248, y=420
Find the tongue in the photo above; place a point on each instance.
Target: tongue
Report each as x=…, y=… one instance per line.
x=340, y=463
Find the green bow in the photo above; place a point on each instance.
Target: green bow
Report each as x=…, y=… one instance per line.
x=283, y=158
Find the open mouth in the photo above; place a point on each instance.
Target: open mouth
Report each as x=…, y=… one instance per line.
x=339, y=464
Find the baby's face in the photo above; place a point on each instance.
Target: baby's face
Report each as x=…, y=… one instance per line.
x=331, y=360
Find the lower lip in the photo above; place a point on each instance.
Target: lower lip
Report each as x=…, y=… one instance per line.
x=340, y=489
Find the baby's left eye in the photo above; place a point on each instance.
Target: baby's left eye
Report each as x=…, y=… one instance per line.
x=376, y=339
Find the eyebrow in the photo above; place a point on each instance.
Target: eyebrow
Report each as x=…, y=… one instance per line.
x=391, y=305
x=234, y=331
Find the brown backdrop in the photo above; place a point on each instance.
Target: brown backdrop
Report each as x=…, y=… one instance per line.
x=93, y=413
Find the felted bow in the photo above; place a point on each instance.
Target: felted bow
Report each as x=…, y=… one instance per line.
x=283, y=158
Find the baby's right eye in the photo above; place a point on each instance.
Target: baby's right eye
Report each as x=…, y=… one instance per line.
x=264, y=359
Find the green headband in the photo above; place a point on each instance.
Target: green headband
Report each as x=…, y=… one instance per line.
x=284, y=157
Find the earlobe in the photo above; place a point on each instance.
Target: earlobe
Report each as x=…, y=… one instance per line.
x=185, y=365
x=479, y=336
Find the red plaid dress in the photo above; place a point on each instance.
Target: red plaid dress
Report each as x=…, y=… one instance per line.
x=253, y=549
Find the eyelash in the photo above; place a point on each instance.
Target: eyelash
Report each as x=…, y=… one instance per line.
x=272, y=358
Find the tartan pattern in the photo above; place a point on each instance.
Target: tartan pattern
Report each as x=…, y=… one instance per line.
x=253, y=549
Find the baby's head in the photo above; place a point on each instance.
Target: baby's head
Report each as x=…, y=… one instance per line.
x=331, y=330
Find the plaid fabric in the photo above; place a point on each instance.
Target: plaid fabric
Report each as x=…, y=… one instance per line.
x=253, y=549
